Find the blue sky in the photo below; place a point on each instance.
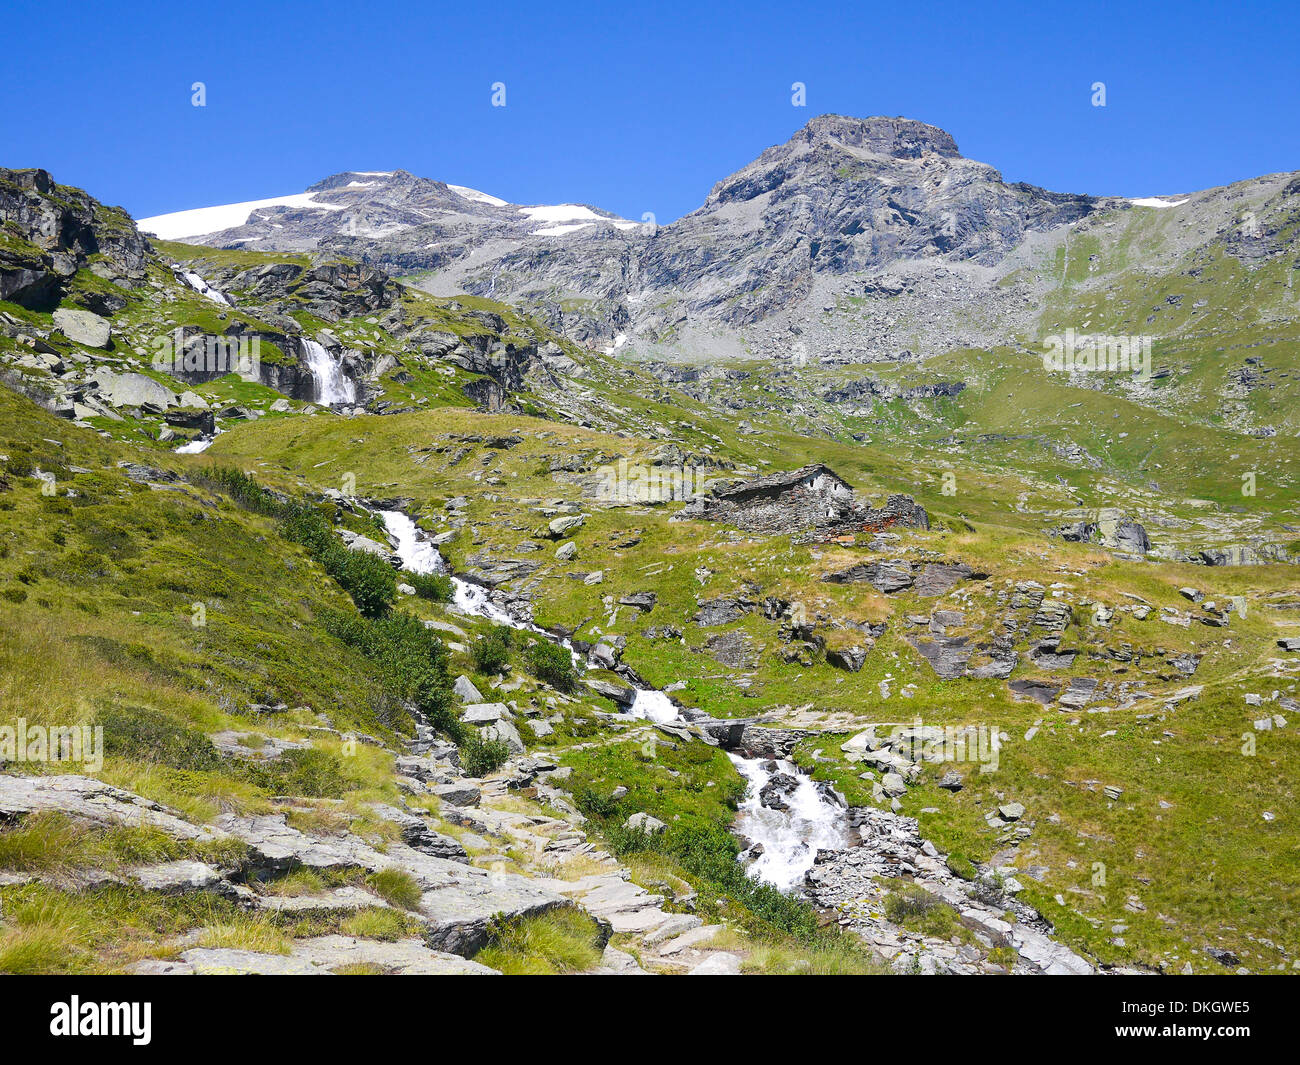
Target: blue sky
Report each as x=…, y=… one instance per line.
x=634, y=107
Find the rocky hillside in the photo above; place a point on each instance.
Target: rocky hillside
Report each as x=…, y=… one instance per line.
x=432, y=640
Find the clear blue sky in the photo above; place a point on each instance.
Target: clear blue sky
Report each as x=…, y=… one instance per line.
x=633, y=107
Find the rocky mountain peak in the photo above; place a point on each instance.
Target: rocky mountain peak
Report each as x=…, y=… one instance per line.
x=364, y=179
x=900, y=138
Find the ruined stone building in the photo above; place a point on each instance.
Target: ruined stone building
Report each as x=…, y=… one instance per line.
x=812, y=497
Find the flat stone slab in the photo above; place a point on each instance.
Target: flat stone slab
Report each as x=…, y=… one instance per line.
x=318, y=956
x=718, y=964
x=406, y=957
x=233, y=743
x=176, y=878
x=457, y=794
x=458, y=900
x=276, y=844
x=94, y=801
x=615, y=962
x=485, y=713
x=458, y=909
x=222, y=961
x=336, y=900
x=675, y=925
x=689, y=939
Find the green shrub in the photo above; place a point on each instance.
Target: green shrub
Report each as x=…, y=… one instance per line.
x=552, y=664
x=368, y=579
x=479, y=757
x=146, y=735
x=412, y=660
x=492, y=653
x=434, y=586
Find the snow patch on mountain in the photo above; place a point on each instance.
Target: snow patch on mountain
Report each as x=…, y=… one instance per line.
x=466, y=193
x=201, y=221
x=1155, y=201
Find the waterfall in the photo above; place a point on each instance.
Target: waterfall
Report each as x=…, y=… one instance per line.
x=199, y=285
x=790, y=838
x=333, y=386
x=416, y=553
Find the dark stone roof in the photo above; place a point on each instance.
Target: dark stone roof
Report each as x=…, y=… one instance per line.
x=778, y=481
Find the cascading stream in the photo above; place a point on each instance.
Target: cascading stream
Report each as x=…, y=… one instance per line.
x=789, y=838
x=333, y=386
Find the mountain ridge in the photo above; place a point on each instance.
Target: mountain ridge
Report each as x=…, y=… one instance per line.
x=856, y=209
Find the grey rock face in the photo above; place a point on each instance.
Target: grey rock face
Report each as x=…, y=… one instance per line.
x=463, y=794
x=96, y=802
x=132, y=390
x=843, y=197
x=645, y=823
x=641, y=600
x=1109, y=527
x=734, y=649
x=59, y=228
x=947, y=655
x=176, y=878
x=849, y=659
x=83, y=327
x=721, y=611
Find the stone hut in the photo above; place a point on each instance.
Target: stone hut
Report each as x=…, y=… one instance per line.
x=812, y=497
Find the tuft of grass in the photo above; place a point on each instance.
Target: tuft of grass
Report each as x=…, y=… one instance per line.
x=302, y=881
x=388, y=925
x=560, y=941
x=960, y=865
x=35, y=949
x=54, y=843
x=830, y=957
x=42, y=843
x=396, y=887
x=918, y=911
x=246, y=933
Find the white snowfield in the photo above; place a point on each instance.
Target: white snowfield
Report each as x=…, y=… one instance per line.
x=1155, y=201
x=556, y=219
x=465, y=192
x=560, y=212
x=204, y=220
x=568, y=217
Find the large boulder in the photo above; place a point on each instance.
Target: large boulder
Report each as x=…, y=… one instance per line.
x=132, y=390
x=562, y=526
x=84, y=327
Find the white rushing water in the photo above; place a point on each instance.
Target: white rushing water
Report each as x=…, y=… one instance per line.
x=195, y=446
x=417, y=554
x=333, y=386
x=654, y=705
x=199, y=285
x=790, y=838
